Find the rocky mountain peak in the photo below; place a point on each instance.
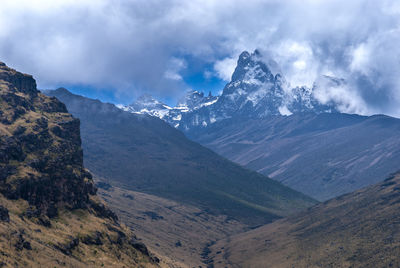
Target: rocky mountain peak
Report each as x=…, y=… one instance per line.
x=257, y=89
x=147, y=104
x=195, y=99
x=191, y=98
x=251, y=66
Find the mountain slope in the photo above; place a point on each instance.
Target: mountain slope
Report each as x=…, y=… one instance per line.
x=322, y=155
x=361, y=229
x=145, y=154
x=169, y=228
x=49, y=213
x=294, y=135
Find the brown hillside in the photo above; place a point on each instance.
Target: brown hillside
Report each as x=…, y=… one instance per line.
x=49, y=213
x=361, y=229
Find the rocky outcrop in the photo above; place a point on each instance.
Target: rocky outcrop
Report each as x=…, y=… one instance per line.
x=44, y=184
x=21, y=82
x=41, y=159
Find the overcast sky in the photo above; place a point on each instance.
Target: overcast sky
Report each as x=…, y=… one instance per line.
x=118, y=49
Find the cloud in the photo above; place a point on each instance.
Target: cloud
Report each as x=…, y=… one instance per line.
x=175, y=67
x=345, y=96
x=225, y=67
x=129, y=46
x=360, y=58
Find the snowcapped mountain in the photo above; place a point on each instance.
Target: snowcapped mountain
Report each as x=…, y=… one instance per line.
x=255, y=91
x=192, y=101
x=146, y=104
x=195, y=100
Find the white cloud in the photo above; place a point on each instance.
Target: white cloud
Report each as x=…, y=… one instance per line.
x=344, y=95
x=296, y=60
x=225, y=67
x=360, y=58
x=175, y=66
x=128, y=44
x=300, y=65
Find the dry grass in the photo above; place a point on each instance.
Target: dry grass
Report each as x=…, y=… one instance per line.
x=75, y=238
x=361, y=229
x=66, y=227
x=177, y=233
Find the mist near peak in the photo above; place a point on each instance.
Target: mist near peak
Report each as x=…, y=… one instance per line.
x=133, y=47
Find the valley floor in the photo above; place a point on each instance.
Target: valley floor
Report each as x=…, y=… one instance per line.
x=178, y=234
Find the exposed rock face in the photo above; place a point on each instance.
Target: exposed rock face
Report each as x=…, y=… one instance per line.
x=22, y=82
x=40, y=153
x=255, y=91
x=42, y=176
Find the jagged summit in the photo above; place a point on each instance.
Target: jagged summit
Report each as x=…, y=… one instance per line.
x=147, y=104
x=255, y=92
x=195, y=99
x=252, y=66
x=257, y=89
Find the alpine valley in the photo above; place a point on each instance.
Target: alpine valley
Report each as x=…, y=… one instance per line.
x=154, y=176
x=293, y=135
x=199, y=134
x=234, y=180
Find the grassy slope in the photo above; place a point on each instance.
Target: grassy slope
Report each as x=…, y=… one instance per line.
x=145, y=154
x=323, y=156
x=361, y=229
x=69, y=225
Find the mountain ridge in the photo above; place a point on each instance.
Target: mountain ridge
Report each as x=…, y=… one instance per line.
x=294, y=135
x=253, y=92
x=323, y=155
x=120, y=146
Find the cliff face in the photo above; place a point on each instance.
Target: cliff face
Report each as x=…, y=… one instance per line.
x=40, y=153
x=49, y=212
